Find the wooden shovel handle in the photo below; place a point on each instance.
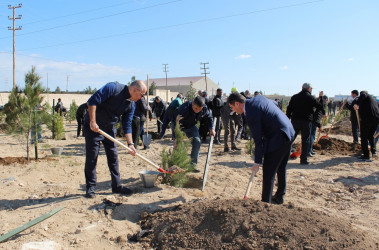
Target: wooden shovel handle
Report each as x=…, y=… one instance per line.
x=359, y=122
x=249, y=185
x=127, y=148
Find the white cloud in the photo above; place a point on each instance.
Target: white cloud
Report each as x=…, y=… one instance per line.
x=243, y=56
x=350, y=59
x=285, y=67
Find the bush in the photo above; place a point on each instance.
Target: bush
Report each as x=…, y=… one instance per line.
x=179, y=157
x=72, y=112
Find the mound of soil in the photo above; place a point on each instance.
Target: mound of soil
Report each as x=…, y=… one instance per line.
x=22, y=160
x=332, y=146
x=249, y=224
x=342, y=127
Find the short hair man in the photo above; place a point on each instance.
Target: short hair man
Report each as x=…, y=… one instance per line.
x=169, y=115
x=105, y=107
x=188, y=115
x=273, y=135
x=300, y=110
x=353, y=115
x=159, y=108
x=217, y=105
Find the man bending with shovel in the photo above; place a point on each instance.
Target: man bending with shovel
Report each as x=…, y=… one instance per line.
x=273, y=135
x=104, y=110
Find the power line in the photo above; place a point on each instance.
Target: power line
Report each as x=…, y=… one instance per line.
x=97, y=18
x=176, y=25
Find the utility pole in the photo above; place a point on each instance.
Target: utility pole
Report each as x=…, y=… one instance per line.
x=67, y=84
x=166, y=70
x=14, y=36
x=205, y=74
x=47, y=87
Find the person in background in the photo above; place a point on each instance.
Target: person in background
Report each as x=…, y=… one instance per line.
x=229, y=117
x=369, y=115
x=80, y=113
x=316, y=122
x=105, y=108
x=353, y=115
x=203, y=129
x=273, y=135
x=159, y=108
x=169, y=115
x=188, y=115
x=59, y=108
x=217, y=105
x=300, y=110
x=139, y=119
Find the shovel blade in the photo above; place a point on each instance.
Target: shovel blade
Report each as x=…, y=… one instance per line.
x=146, y=139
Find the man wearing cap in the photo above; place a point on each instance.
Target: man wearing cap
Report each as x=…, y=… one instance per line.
x=159, y=108
x=105, y=107
x=300, y=110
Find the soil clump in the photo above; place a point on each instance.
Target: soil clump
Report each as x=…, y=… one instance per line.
x=249, y=224
x=333, y=146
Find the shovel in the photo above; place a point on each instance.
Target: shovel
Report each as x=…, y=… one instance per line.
x=359, y=122
x=319, y=133
x=173, y=170
x=297, y=153
x=146, y=138
x=208, y=158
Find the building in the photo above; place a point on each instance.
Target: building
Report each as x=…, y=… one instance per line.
x=182, y=84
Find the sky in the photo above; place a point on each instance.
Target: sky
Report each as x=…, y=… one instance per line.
x=273, y=46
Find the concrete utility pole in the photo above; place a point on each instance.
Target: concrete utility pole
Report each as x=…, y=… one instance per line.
x=67, y=84
x=205, y=74
x=14, y=36
x=166, y=70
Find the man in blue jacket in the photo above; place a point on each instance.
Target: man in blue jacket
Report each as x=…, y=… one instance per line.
x=105, y=107
x=188, y=115
x=273, y=135
x=169, y=115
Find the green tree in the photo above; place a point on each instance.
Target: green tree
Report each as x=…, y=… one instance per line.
x=152, y=88
x=191, y=94
x=58, y=90
x=24, y=110
x=132, y=79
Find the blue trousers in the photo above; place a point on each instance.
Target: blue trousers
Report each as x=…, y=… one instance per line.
x=193, y=133
x=312, y=137
x=92, y=152
x=275, y=163
x=354, y=128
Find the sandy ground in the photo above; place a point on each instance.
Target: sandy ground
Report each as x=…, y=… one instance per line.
x=337, y=185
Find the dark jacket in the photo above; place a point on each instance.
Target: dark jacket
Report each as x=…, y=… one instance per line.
x=159, y=108
x=350, y=106
x=112, y=101
x=81, y=111
x=190, y=118
x=217, y=105
x=368, y=108
x=319, y=113
x=269, y=126
x=141, y=109
x=301, y=106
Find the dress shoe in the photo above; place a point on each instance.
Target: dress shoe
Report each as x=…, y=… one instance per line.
x=226, y=150
x=122, y=190
x=304, y=162
x=364, y=158
x=216, y=142
x=277, y=200
x=196, y=171
x=90, y=193
x=235, y=148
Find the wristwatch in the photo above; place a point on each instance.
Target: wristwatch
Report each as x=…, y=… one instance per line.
x=130, y=144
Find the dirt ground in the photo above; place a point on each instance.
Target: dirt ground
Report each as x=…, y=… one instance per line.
x=331, y=203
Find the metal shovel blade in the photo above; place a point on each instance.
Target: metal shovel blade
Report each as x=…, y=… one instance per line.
x=146, y=138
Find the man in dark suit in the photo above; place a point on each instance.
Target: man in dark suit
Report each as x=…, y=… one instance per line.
x=273, y=135
x=353, y=115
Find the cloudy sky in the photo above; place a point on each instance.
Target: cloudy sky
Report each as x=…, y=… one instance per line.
x=272, y=45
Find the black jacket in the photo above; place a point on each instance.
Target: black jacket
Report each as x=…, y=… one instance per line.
x=159, y=108
x=368, y=108
x=319, y=113
x=81, y=111
x=301, y=106
x=141, y=109
x=217, y=105
x=353, y=114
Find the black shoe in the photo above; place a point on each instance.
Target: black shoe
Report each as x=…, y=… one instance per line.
x=235, y=148
x=90, y=193
x=122, y=190
x=196, y=171
x=216, y=142
x=364, y=158
x=277, y=200
x=313, y=153
x=310, y=155
x=226, y=150
x=304, y=162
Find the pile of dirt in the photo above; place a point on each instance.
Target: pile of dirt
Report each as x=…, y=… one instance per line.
x=332, y=146
x=249, y=224
x=342, y=127
x=21, y=160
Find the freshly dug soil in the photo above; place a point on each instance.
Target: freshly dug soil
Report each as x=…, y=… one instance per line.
x=332, y=146
x=250, y=224
x=21, y=160
x=342, y=127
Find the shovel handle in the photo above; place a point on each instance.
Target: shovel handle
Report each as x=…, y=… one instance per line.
x=249, y=185
x=377, y=134
x=359, y=121
x=127, y=148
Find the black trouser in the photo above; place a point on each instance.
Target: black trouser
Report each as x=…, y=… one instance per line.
x=367, y=136
x=204, y=128
x=305, y=128
x=275, y=163
x=92, y=151
x=80, y=121
x=218, y=128
x=354, y=128
x=136, y=126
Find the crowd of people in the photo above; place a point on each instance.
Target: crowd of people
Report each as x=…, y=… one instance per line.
x=241, y=117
